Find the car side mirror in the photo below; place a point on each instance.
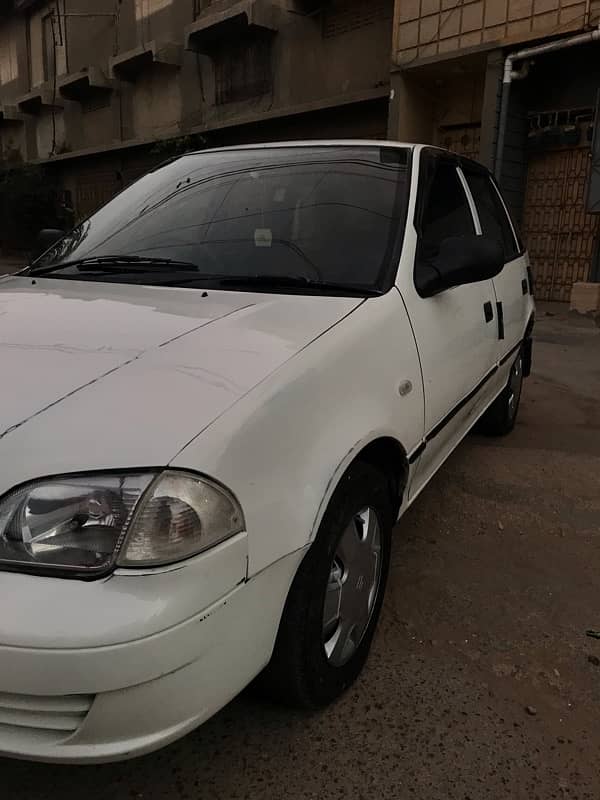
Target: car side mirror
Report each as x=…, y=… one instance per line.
x=46, y=238
x=460, y=260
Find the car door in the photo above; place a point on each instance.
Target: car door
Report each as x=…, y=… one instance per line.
x=454, y=330
x=513, y=285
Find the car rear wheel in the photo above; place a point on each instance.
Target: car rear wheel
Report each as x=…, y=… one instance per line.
x=501, y=416
x=333, y=606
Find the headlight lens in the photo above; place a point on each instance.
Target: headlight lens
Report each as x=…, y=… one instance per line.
x=70, y=523
x=86, y=524
x=180, y=516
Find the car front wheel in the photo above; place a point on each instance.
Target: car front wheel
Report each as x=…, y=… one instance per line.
x=333, y=606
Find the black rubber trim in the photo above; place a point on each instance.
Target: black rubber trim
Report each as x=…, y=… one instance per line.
x=524, y=286
x=418, y=452
x=511, y=352
x=442, y=424
x=488, y=311
x=451, y=414
x=500, y=313
x=527, y=356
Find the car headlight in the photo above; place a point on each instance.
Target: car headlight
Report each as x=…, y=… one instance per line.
x=87, y=524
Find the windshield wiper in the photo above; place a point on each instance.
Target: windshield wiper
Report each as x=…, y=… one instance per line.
x=123, y=264
x=116, y=263
x=296, y=282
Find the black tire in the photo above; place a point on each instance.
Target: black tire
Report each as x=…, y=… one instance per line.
x=501, y=416
x=300, y=673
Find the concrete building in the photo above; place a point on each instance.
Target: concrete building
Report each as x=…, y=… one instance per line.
x=97, y=87
x=101, y=90
x=447, y=76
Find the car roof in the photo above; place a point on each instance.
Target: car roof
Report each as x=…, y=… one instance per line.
x=313, y=143
x=415, y=147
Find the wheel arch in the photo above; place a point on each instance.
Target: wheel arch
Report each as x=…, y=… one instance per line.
x=384, y=452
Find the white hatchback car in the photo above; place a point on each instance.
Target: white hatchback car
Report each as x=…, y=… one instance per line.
x=219, y=394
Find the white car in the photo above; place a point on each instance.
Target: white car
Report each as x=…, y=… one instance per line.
x=219, y=393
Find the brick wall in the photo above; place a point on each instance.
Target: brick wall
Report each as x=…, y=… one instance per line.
x=434, y=28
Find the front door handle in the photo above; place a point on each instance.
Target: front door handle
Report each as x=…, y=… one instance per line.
x=488, y=311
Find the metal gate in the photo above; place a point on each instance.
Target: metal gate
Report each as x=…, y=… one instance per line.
x=559, y=234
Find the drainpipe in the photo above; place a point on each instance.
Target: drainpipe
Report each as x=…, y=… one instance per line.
x=510, y=75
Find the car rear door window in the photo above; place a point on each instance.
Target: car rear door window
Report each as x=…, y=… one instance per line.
x=445, y=209
x=492, y=214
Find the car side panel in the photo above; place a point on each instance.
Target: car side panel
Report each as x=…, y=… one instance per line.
x=517, y=303
x=457, y=348
x=283, y=449
x=513, y=293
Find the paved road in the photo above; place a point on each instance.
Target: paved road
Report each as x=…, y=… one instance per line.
x=494, y=583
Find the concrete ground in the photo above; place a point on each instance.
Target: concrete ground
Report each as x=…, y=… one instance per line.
x=482, y=682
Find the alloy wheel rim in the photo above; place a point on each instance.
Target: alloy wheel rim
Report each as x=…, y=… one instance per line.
x=352, y=587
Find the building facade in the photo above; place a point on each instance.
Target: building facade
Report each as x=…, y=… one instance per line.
x=447, y=74
x=98, y=91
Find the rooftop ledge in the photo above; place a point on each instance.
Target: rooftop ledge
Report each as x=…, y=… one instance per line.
x=42, y=96
x=215, y=25
x=79, y=86
x=130, y=64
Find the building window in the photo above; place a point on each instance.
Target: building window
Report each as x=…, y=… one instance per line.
x=243, y=69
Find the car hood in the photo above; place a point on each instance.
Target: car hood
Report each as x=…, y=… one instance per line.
x=101, y=376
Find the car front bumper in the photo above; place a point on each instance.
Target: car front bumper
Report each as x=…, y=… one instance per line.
x=116, y=701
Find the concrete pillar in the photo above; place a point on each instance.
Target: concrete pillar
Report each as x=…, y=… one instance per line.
x=411, y=110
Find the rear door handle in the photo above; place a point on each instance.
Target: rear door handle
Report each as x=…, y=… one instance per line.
x=500, y=312
x=488, y=311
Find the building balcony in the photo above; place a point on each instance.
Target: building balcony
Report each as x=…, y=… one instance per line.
x=217, y=25
x=43, y=96
x=130, y=64
x=84, y=85
x=10, y=115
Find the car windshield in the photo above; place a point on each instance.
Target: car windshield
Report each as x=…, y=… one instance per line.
x=285, y=218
